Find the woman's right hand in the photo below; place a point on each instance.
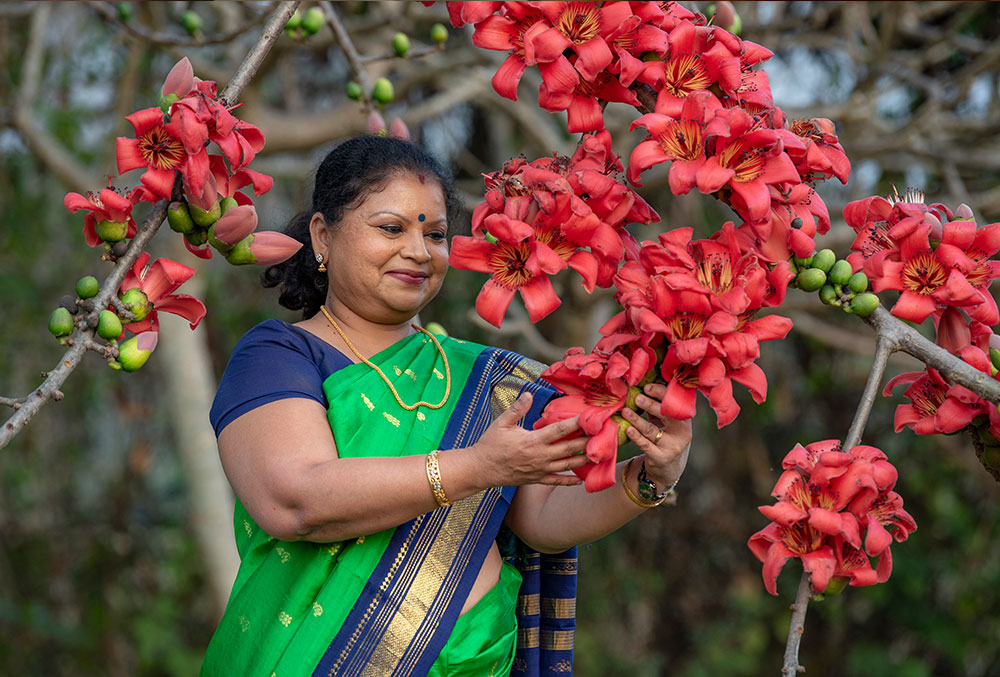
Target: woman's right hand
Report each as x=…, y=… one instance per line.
x=513, y=456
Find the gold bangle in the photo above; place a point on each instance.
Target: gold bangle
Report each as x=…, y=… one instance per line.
x=628, y=492
x=434, y=477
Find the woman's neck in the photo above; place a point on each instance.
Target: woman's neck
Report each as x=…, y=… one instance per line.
x=368, y=337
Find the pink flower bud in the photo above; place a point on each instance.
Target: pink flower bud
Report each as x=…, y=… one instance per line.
x=399, y=130
x=964, y=212
x=376, y=123
x=180, y=79
x=269, y=247
x=236, y=224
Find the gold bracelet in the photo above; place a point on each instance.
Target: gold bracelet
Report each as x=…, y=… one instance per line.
x=628, y=492
x=434, y=477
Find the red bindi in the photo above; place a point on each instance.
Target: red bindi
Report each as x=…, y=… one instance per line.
x=421, y=177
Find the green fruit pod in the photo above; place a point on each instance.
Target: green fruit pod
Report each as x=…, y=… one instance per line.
x=111, y=231
x=205, y=218
x=858, y=282
x=353, y=90
x=864, y=304
x=294, y=21
x=804, y=261
x=136, y=302
x=382, y=91
x=134, y=352
x=439, y=34
x=995, y=357
x=824, y=260
x=840, y=272
x=191, y=21
x=313, y=20
x=623, y=426
x=400, y=44
x=179, y=218
x=60, y=322
x=125, y=11
x=87, y=287
x=108, y=325
x=827, y=294
x=197, y=237
x=810, y=279
x=227, y=203
x=436, y=328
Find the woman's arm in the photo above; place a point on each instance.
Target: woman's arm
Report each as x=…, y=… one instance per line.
x=553, y=519
x=282, y=462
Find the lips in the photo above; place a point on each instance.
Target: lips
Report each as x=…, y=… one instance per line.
x=413, y=277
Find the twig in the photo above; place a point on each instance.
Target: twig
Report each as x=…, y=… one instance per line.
x=883, y=348
x=353, y=58
x=390, y=56
x=253, y=60
x=522, y=327
x=12, y=402
x=796, y=627
x=170, y=41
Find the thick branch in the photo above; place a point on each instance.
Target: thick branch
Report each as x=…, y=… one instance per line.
x=248, y=69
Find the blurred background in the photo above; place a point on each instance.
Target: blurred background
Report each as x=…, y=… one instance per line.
x=115, y=536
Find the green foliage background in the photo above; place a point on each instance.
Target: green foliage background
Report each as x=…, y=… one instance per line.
x=99, y=573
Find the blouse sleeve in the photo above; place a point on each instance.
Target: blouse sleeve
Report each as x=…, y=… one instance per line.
x=272, y=361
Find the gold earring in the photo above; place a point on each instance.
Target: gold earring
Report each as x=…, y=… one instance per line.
x=322, y=265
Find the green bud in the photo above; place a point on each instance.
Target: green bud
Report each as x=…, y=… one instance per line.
x=835, y=586
x=167, y=100
x=87, y=287
x=108, y=325
x=60, y=322
x=824, y=260
x=136, y=302
x=130, y=356
x=313, y=20
x=205, y=218
x=840, y=272
x=436, y=328
x=633, y=392
x=353, y=90
x=179, y=218
x=864, y=304
x=111, y=231
x=858, y=282
x=827, y=294
x=804, y=262
x=382, y=91
x=294, y=21
x=115, y=364
x=197, y=237
x=125, y=11
x=737, y=25
x=439, y=34
x=240, y=254
x=227, y=203
x=995, y=357
x=810, y=279
x=490, y=237
x=221, y=246
x=400, y=44
x=623, y=425
x=191, y=21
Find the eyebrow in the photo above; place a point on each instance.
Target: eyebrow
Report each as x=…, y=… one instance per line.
x=400, y=216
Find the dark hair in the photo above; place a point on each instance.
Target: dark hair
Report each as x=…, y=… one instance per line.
x=348, y=174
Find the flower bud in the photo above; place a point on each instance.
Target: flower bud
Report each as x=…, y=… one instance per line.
x=803, y=261
x=810, y=279
x=294, y=21
x=269, y=247
x=835, y=586
x=353, y=90
x=376, y=124
x=136, y=302
x=840, y=272
x=399, y=130
x=205, y=218
x=191, y=21
x=313, y=20
x=108, y=325
x=864, y=304
x=995, y=357
x=69, y=303
x=824, y=260
x=179, y=218
x=134, y=352
x=227, y=203
x=197, y=237
x=382, y=91
x=827, y=294
x=60, y=322
x=125, y=11
x=400, y=44
x=111, y=231
x=180, y=79
x=439, y=34
x=633, y=392
x=623, y=425
x=436, y=328
x=87, y=287
x=858, y=282
x=232, y=227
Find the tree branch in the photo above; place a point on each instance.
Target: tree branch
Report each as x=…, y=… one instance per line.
x=796, y=627
x=353, y=58
x=257, y=54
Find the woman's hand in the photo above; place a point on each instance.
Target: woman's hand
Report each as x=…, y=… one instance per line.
x=666, y=453
x=513, y=456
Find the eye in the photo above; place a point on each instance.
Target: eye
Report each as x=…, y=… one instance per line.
x=391, y=229
x=438, y=235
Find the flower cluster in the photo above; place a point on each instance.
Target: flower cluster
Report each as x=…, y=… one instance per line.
x=172, y=140
x=836, y=510
x=544, y=216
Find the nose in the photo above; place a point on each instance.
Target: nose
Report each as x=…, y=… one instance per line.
x=415, y=247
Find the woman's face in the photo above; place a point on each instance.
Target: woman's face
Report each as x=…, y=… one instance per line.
x=388, y=257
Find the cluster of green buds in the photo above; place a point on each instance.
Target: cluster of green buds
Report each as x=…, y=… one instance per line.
x=300, y=25
x=382, y=90
x=227, y=226
x=80, y=311
x=835, y=280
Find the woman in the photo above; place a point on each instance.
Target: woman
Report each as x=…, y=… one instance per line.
x=375, y=464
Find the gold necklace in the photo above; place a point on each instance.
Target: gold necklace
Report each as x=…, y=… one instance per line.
x=408, y=407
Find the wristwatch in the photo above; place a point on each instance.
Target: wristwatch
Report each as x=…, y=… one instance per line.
x=648, y=489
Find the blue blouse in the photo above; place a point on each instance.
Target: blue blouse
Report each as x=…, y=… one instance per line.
x=273, y=361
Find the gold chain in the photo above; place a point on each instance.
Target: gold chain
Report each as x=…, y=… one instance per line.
x=408, y=407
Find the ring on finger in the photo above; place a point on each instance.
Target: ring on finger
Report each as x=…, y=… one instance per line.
x=659, y=434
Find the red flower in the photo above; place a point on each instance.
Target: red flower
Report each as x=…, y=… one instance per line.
x=155, y=149
x=517, y=261
x=935, y=405
x=506, y=32
x=107, y=205
x=158, y=282
x=822, y=155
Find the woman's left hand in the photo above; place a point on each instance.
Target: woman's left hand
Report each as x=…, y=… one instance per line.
x=666, y=454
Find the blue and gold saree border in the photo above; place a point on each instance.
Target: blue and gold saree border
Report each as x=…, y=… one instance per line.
x=413, y=599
